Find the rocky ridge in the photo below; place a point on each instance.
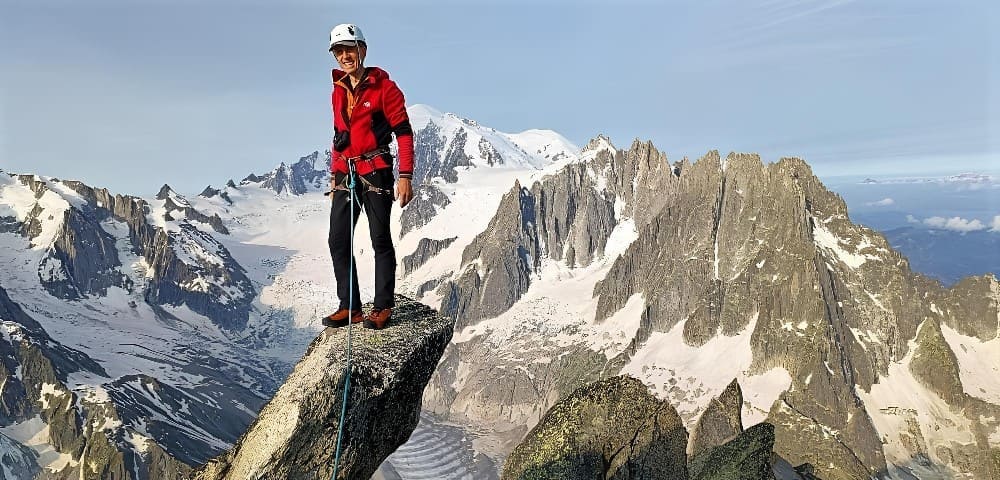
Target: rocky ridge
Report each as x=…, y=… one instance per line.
x=296, y=433
x=723, y=246
x=17, y=461
x=183, y=264
x=87, y=434
x=609, y=429
x=721, y=421
x=614, y=428
x=426, y=248
x=566, y=217
x=93, y=420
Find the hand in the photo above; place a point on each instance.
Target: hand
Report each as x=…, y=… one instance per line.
x=333, y=187
x=404, y=191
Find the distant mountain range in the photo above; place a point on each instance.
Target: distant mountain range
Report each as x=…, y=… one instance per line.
x=947, y=255
x=141, y=336
x=971, y=178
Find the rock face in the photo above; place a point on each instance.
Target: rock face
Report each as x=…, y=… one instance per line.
x=30, y=358
x=746, y=457
x=499, y=261
x=427, y=201
x=193, y=268
x=34, y=366
x=82, y=261
x=295, y=434
x=614, y=428
x=438, y=156
x=721, y=421
x=81, y=258
x=17, y=462
x=609, y=429
x=565, y=217
x=122, y=263
x=726, y=246
x=426, y=249
x=295, y=179
x=176, y=206
x=186, y=265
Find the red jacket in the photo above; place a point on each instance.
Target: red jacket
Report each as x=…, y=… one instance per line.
x=371, y=113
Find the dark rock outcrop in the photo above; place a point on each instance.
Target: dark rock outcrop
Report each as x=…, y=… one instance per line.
x=217, y=287
x=427, y=201
x=428, y=148
x=426, y=249
x=438, y=156
x=489, y=153
x=25, y=331
x=721, y=421
x=283, y=180
x=209, y=192
x=934, y=364
x=295, y=434
x=567, y=217
x=499, y=260
x=83, y=259
x=746, y=457
x=612, y=428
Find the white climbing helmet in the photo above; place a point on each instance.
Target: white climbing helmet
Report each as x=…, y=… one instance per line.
x=346, y=34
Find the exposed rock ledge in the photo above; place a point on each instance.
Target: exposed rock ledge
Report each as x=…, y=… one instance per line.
x=295, y=435
x=615, y=429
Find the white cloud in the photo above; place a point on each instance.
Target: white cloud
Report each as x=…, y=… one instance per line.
x=885, y=202
x=957, y=224
x=912, y=219
x=995, y=224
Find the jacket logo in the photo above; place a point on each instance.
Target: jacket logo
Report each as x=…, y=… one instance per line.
x=367, y=104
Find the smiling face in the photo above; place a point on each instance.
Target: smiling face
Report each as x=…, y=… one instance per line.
x=350, y=57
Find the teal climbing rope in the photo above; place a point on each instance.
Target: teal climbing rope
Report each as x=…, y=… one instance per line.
x=350, y=317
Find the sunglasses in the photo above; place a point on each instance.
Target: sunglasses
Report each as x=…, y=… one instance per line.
x=338, y=49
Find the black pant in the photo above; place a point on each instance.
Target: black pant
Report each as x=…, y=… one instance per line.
x=377, y=207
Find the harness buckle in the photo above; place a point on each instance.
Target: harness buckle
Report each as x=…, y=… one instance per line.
x=368, y=156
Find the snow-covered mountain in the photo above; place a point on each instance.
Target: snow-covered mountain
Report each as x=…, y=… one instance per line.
x=560, y=265
x=168, y=321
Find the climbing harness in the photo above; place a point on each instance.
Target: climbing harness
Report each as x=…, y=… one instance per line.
x=369, y=186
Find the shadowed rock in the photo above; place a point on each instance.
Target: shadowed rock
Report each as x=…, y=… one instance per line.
x=746, y=457
x=426, y=249
x=17, y=461
x=721, y=421
x=609, y=429
x=427, y=201
x=296, y=433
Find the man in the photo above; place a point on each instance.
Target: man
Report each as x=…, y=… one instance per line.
x=368, y=109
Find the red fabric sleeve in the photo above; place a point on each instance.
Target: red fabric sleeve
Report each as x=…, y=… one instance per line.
x=405, y=143
x=394, y=105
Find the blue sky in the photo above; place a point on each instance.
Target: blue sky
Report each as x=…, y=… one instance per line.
x=131, y=95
